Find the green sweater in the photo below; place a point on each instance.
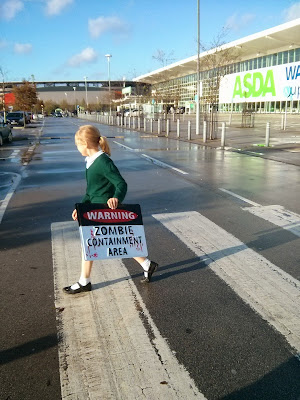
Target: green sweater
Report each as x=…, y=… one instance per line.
x=104, y=181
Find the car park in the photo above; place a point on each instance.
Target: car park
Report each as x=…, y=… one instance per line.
x=15, y=117
x=5, y=131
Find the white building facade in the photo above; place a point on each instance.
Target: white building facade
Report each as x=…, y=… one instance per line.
x=264, y=77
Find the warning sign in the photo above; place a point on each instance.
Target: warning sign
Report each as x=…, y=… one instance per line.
x=107, y=233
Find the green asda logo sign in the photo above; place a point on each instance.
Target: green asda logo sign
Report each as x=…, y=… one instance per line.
x=254, y=85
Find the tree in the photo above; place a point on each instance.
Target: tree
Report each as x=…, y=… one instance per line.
x=214, y=65
x=50, y=106
x=38, y=107
x=25, y=95
x=163, y=58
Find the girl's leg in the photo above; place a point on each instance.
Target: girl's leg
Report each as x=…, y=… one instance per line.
x=84, y=282
x=148, y=266
x=86, y=268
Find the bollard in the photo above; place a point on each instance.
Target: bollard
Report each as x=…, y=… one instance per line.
x=204, y=131
x=159, y=126
x=268, y=134
x=282, y=121
x=178, y=128
x=168, y=127
x=145, y=125
x=173, y=115
x=151, y=125
x=133, y=122
x=223, y=136
x=189, y=130
x=139, y=123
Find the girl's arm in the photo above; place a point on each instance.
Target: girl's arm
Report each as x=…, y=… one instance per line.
x=113, y=203
x=112, y=173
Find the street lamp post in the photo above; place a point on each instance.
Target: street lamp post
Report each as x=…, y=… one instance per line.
x=86, y=96
x=74, y=88
x=108, y=56
x=198, y=71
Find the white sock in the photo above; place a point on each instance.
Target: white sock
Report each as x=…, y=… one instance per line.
x=82, y=281
x=145, y=265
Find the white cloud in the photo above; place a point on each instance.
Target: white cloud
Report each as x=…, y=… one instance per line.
x=55, y=7
x=87, y=55
x=292, y=12
x=10, y=8
x=22, y=48
x=236, y=22
x=101, y=25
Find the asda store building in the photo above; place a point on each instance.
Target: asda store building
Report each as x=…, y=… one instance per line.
x=265, y=76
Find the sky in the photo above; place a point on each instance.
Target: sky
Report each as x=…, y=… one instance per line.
x=52, y=40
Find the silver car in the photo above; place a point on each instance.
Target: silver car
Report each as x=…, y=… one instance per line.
x=5, y=131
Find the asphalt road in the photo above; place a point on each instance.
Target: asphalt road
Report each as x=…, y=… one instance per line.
x=232, y=345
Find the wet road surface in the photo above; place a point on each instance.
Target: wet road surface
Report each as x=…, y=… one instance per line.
x=229, y=350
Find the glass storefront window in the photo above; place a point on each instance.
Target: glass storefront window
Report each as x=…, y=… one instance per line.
x=291, y=56
x=259, y=64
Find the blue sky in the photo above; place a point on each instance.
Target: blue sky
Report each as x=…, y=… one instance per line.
x=68, y=39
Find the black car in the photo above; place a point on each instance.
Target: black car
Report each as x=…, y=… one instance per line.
x=5, y=131
x=15, y=117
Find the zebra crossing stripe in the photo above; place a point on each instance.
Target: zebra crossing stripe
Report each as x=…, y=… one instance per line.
x=275, y=214
x=109, y=346
x=279, y=216
x=270, y=291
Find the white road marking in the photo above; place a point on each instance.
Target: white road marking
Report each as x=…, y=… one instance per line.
x=105, y=350
x=153, y=160
x=239, y=197
x=12, y=156
x=275, y=214
x=164, y=165
x=125, y=147
x=16, y=180
x=270, y=291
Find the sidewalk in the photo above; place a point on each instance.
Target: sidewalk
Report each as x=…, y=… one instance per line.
x=284, y=145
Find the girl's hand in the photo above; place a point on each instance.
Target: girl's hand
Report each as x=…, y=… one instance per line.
x=113, y=203
x=74, y=215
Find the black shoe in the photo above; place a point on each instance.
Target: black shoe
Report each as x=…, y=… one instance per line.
x=153, y=267
x=86, y=288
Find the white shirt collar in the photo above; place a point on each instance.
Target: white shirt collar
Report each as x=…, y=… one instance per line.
x=89, y=160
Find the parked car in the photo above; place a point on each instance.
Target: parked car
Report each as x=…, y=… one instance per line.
x=5, y=131
x=133, y=113
x=28, y=117
x=15, y=117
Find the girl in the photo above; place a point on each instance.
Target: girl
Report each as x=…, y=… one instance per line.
x=104, y=185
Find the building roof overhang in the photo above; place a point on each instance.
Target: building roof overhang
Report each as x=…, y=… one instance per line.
x=280, y=38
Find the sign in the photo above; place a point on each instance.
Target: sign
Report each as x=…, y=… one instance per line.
x=127, y=90
x=277, y=83
x=107, y=233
